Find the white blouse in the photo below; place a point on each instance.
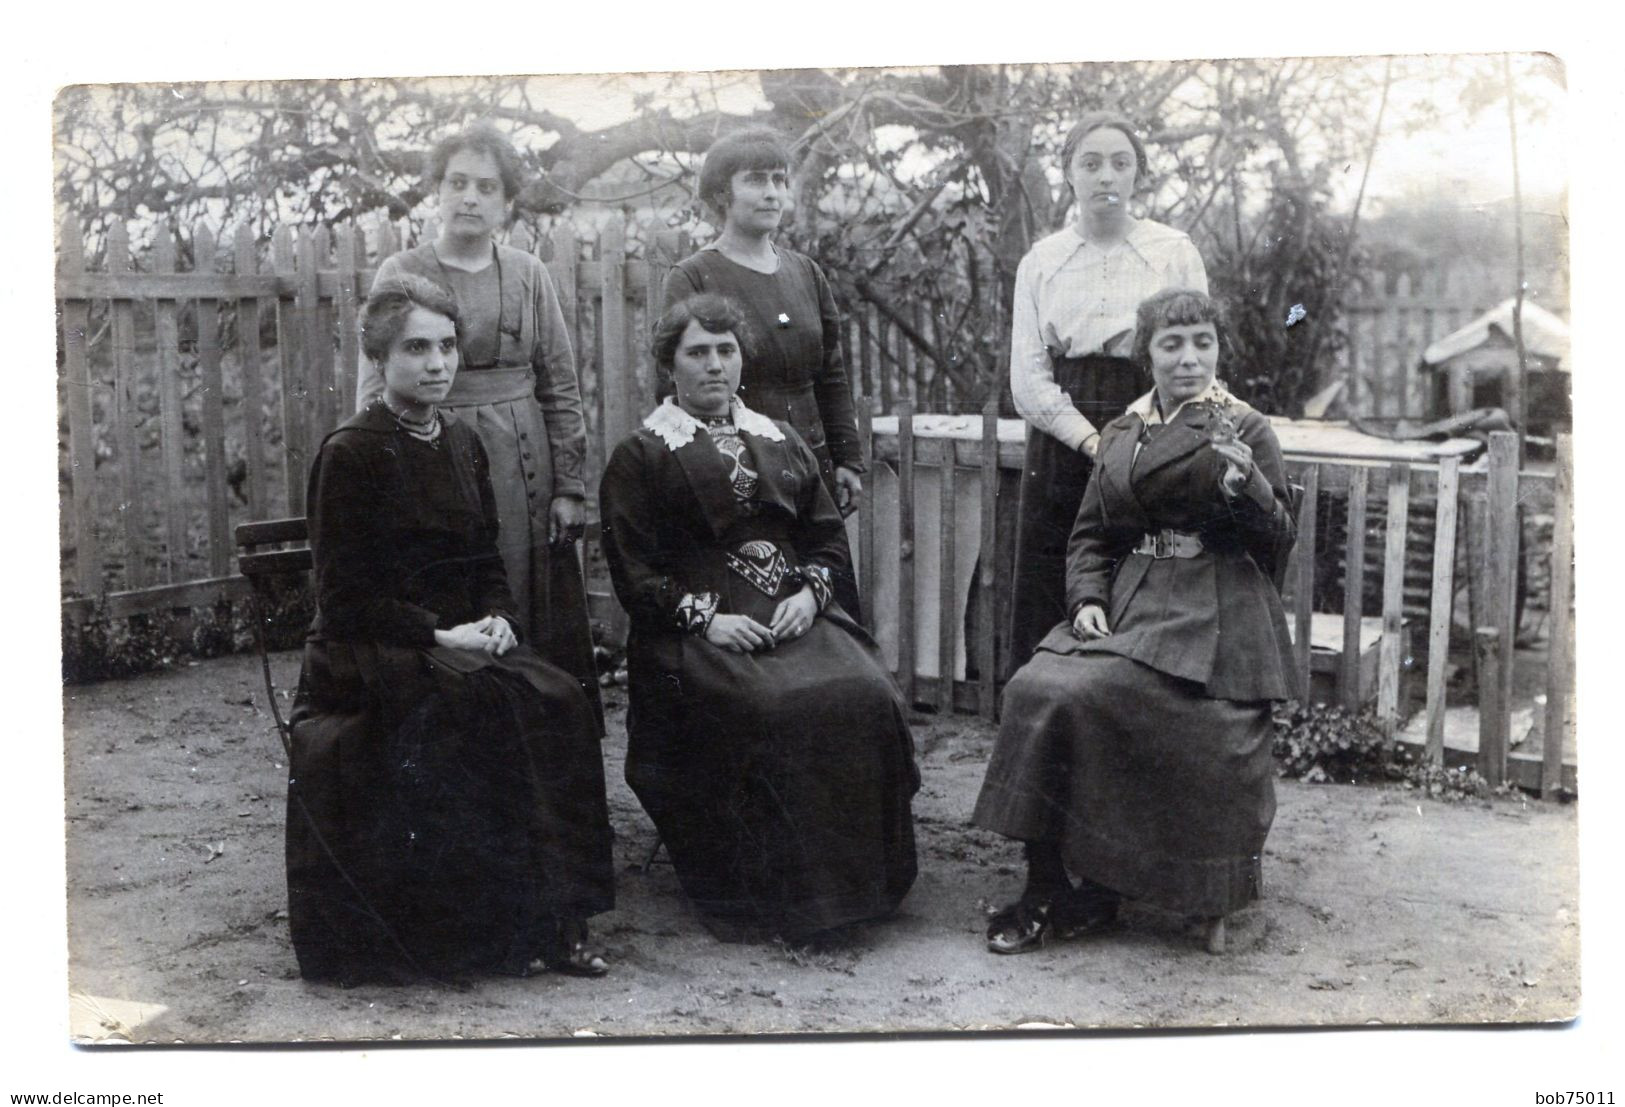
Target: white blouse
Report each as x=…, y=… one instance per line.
x=1075, y=298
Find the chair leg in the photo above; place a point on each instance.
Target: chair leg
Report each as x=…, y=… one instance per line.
x=654, y=853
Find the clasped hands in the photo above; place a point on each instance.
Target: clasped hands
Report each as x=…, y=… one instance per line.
x=742, y=634
x=491, y=635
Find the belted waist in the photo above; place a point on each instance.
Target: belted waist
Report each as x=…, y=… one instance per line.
x=477, y=387
x=1166, y=543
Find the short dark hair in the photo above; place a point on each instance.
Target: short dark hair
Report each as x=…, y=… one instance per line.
x=1093, y=121
x=391, y=301
x=747, y=148
x=478, y=138
x=1174, y=307
x=714, y=312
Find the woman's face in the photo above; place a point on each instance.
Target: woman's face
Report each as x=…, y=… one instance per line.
x=757, y=199
x=472, y=204
x=1183, y=361
x=1103, y=171
x=422, y=361
x=705, y=370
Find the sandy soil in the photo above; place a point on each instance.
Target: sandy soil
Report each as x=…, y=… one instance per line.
x=1379, y=907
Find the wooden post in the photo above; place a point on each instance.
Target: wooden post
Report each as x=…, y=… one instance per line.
x=947, y=604
x=323, y=376
x=1439, y=615
x=986, y=632
x=295, y=431
x=171, y=439
x=905, y=549
x=866, y=509
x=1303, y=588
x=349, y=313
x=214, y=417
x=1503, y=539
x=1492, y=714
x=613, y=370
x=866, y=351
x=246, y=257
x=1476, y=507
x=81, y=416
x=125, y=414
x=1393, y=599
x=1353, y=589
x=1559, y=672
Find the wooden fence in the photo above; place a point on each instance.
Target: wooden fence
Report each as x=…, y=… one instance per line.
x=196, y=395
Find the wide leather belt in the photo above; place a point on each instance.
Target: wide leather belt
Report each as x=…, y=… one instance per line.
x=478, y=387
x=1166, y=543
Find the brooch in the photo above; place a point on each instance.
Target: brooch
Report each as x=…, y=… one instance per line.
x=784, y=320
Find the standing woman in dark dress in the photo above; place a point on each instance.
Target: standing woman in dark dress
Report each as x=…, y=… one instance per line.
x=765, y=738
x=446, y=810
x=793, y=370
x=1135, y=747
x=517, y=388
x=1071, y=331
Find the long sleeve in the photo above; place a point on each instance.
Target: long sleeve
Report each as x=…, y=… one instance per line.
x=1037, y=397
x=1188, y=270
x=344, y=534
x=832, y=388
x=558, y=389
x=638, y=570
x=1093, y=552
x=819, y=535
x=490, y=585
x=1262, y=510
x=677, y=286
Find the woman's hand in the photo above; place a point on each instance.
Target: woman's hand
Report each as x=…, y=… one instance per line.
x=739, y=633
x=794, y=616
x=1090, y=622
x=1238, y=468
x=567, y=519
x=474, y=636
x=500, y=633
x=848, y=488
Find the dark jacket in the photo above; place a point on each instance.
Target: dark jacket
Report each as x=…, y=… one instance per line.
x=1217, y=618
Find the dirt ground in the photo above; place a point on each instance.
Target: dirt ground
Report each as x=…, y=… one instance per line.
x=1379, y=907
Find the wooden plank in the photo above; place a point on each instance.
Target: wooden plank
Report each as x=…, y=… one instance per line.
x=947, y=604
x=905, y=549
x=348, y=305
x=883, y=366
x=295, y=431
x=214, y=417
x=1303, y=587
x=614, y=370
x=265, y=531
x=171, y=423
x=1475, y=505
x=866, y=351
x=251, y=365
x=1559, y=665
x=324, y=374
x=81, y=417
x=1391, y=655
x=1444, y=590
x=866, y=507
x=126, y=417
x=1353, y=591
x=168, y=286
x=163, y=597
x=1493, y=718
x=1503, y=562
x=986, y=565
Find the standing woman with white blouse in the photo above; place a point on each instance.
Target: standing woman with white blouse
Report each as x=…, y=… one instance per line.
x=1072, y=329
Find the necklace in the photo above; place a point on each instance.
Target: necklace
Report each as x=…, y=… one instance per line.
x=425, y=430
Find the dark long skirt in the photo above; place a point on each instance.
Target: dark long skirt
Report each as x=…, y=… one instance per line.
x=1150, y=787
x=1052, y=483
x=780, y=782
x=440, y=826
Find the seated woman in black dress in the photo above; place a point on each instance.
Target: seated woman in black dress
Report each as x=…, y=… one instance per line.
x=766, y=741
x=446, y=810
x=1134, y=748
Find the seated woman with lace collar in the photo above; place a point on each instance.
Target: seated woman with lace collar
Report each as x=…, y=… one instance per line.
x=766, y=740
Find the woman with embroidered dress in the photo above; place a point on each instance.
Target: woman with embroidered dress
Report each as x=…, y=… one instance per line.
x=766, y=741
x=793, y=369
x=517, y=388
x=1134, y=748
x=446, y=810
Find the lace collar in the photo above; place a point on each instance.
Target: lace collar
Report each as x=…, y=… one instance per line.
x=1215, y=394
x=676, y=427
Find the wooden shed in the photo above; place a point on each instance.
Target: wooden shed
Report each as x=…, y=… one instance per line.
x=1469, y=367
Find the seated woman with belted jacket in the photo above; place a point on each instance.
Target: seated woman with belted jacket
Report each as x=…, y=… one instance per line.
x=1134, y=749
